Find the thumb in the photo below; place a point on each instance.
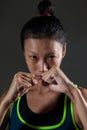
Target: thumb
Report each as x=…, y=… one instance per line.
x=54, y=87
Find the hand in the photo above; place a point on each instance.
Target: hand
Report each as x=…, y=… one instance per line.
x=21, y=84
x=57, y=80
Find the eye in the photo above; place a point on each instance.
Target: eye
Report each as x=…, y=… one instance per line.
x=33, y=57
x=50, y=57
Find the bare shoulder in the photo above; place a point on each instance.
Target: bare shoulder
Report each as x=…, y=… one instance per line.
x=83, y=91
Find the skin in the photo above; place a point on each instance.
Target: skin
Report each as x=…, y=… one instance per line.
x=45, y=81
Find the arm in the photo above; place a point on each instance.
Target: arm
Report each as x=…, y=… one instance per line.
x=64, y=85
x=79, y=98
x=21, y=84
x=4, y=112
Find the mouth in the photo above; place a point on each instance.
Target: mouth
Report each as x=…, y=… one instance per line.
x=41, y=81
x=38, y=77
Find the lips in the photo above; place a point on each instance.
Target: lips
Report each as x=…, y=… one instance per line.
x=39, y=78
x=44, y=83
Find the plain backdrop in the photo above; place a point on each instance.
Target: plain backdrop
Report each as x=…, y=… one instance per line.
x=15, y=13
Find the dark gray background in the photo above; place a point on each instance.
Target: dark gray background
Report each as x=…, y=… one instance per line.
x=13, y=15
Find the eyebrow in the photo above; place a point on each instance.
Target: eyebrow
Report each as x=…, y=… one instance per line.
x=32, y=52
x=52, y=51
x=48, y=53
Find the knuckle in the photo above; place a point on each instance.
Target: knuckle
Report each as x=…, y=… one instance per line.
x=19, y=72
x=19, y=79
x=17, y=76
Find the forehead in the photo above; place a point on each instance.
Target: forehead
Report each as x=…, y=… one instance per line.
x=41, y=45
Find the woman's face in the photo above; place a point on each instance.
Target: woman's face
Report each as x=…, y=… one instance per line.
x=42, y=54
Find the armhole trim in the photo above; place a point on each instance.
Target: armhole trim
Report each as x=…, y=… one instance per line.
x=72, y=114
x=72, y=111
x=43, y=127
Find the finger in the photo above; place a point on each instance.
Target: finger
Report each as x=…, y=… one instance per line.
x=24, y=91
x=24, y=83
x=34, y=81
x=27, y=79
x=29, y=75
x=47, y=77
x=48, y=80
x=55, y=88
x=48, y=74
x=30, y=78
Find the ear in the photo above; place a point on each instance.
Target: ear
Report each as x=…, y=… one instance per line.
x=64, y=50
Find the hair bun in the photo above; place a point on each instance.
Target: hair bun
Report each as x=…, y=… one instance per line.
x=46, y=8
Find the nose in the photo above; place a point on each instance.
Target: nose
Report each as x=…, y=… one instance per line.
x=43, y=66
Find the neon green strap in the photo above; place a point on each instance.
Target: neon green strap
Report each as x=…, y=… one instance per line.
x=73, y=118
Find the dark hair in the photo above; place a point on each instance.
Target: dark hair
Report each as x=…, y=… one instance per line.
x=44, y=26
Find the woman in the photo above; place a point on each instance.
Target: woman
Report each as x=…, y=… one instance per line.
x=43, y=98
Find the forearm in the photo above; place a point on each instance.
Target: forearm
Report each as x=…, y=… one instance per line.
x=80, y=105
x=4, y=107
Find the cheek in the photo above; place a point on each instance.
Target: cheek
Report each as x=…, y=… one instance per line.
x=32, y=67
x=57, y=62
